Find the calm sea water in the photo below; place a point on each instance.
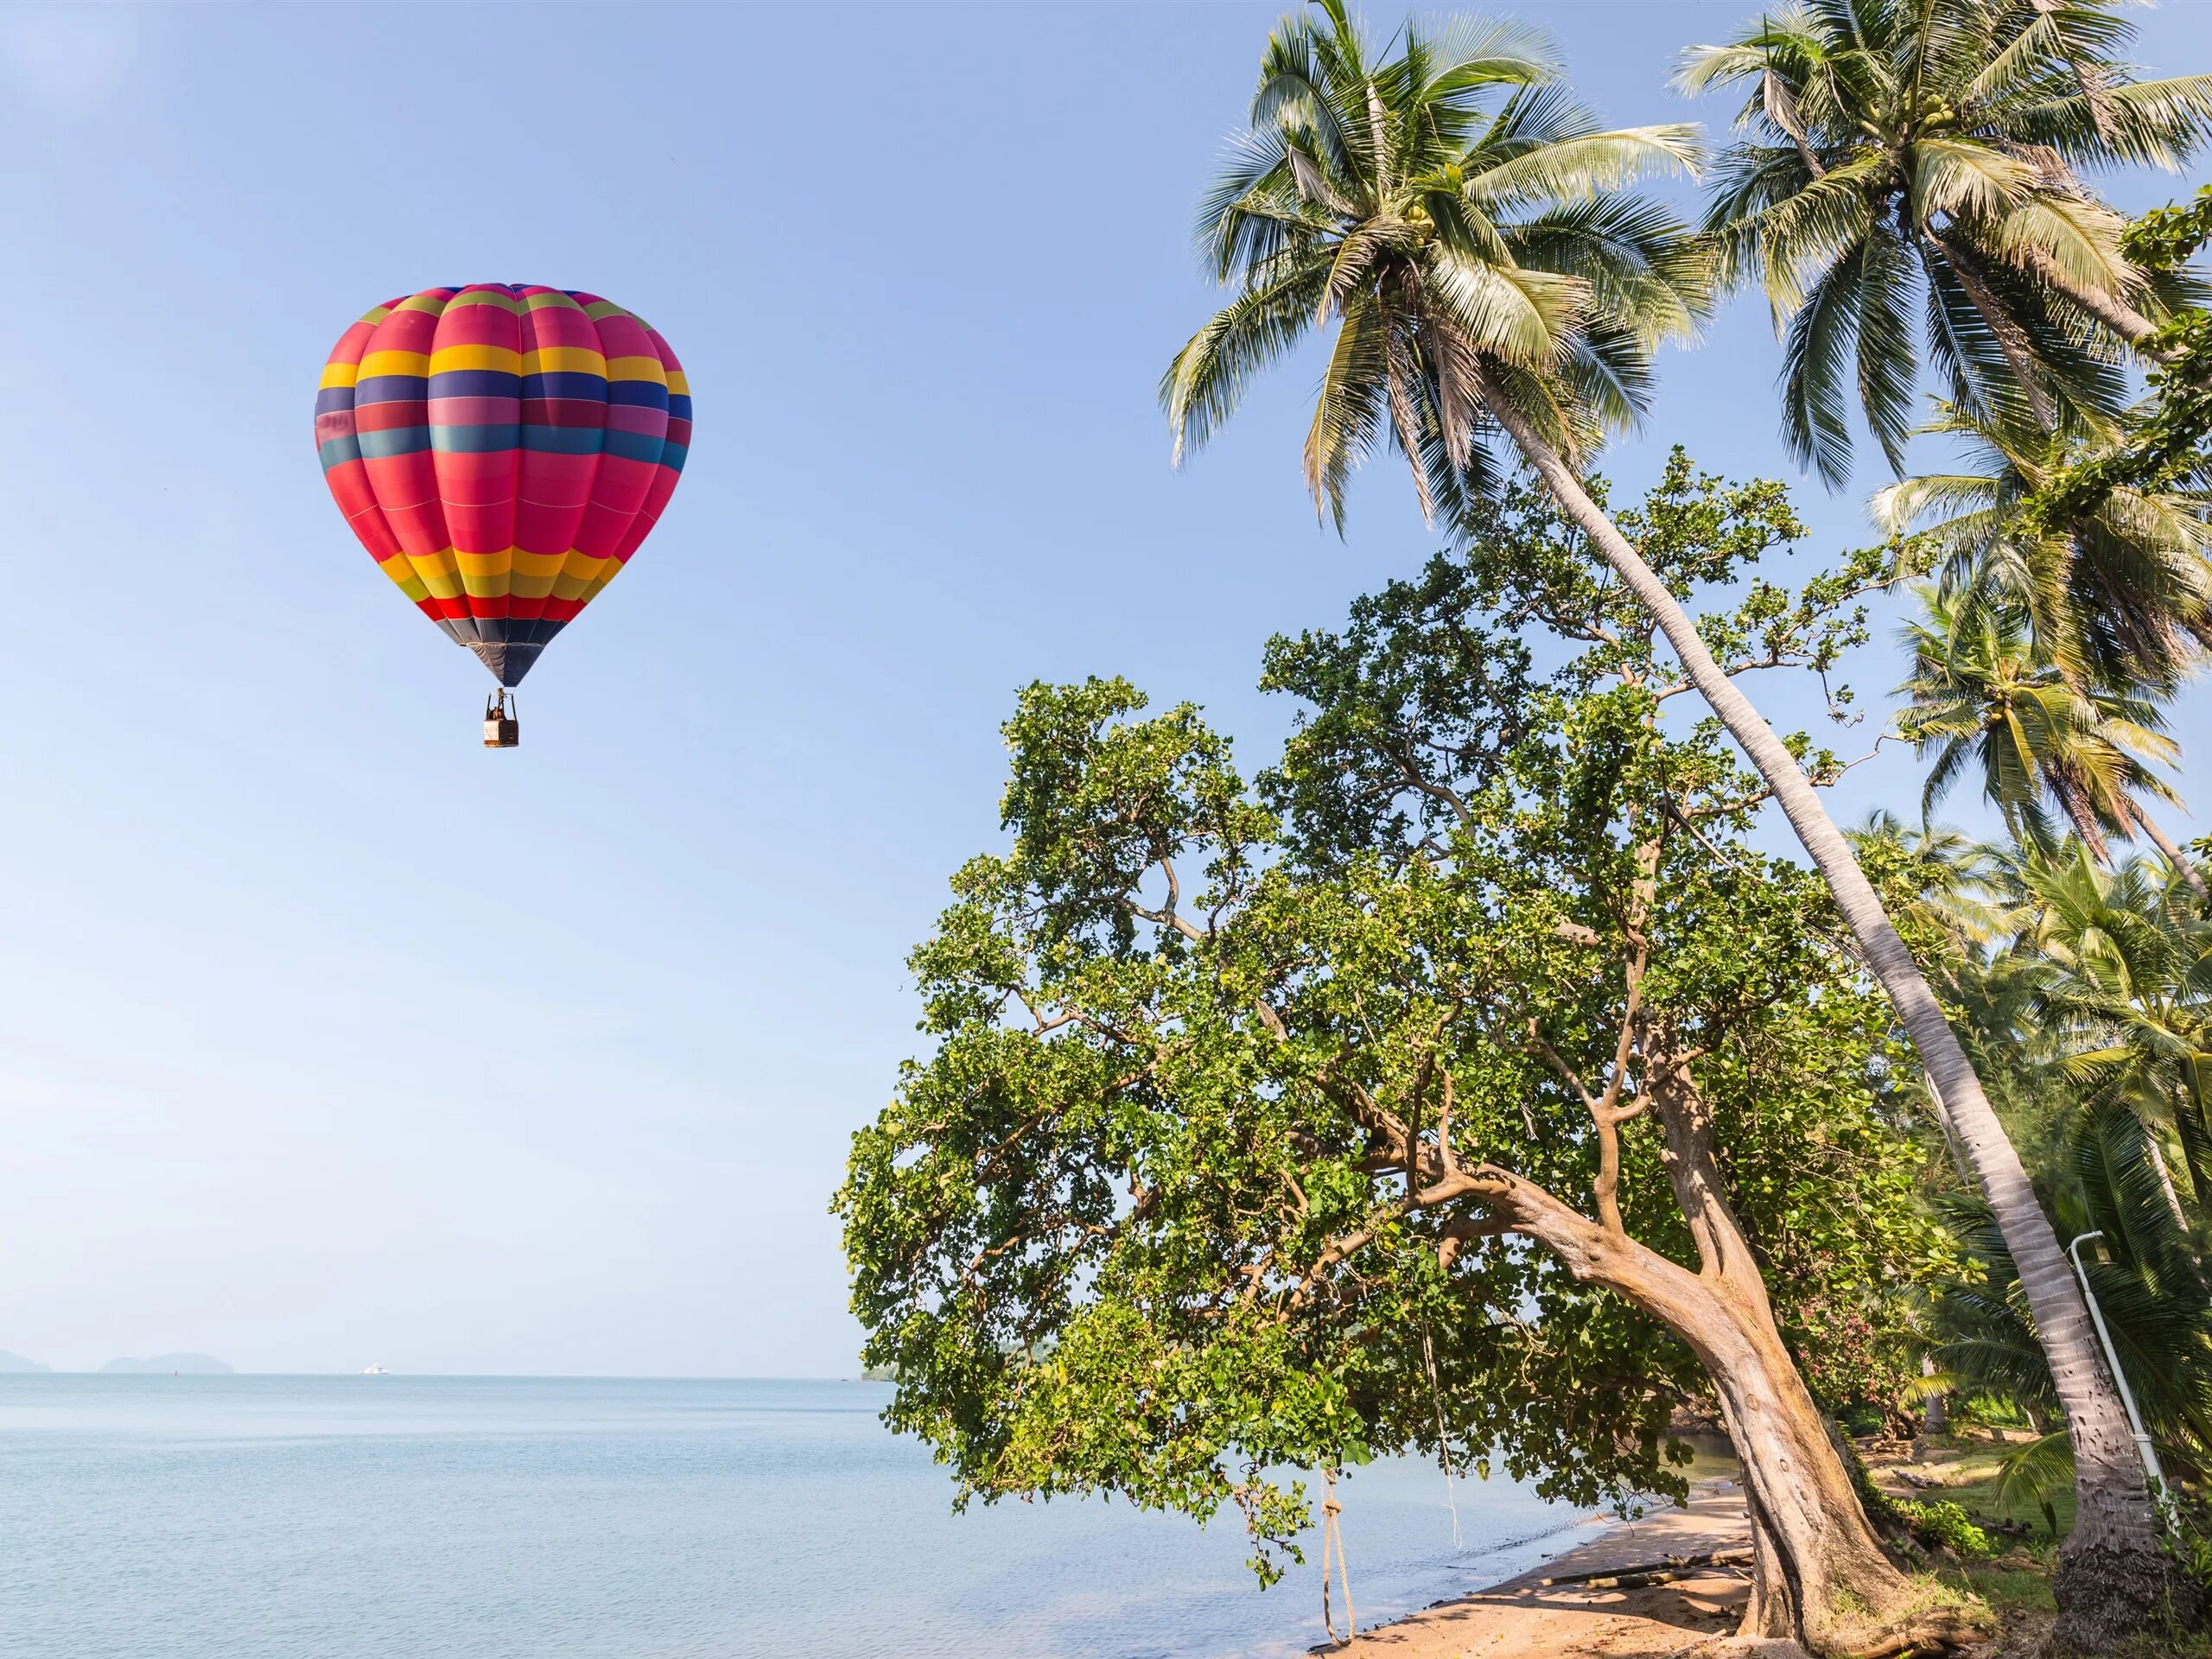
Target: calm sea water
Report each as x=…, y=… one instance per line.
x=257, y=1517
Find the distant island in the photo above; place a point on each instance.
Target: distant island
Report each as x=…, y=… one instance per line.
x=162, y=1364
x=17, y=1364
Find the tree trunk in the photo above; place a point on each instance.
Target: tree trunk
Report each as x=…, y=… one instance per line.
x=2112, y=1578
x=1821, y=1575
x=2165, y=1180
x=2011, y=338
x=2173, y=855
x=2110, y=309
x=1935, y=1418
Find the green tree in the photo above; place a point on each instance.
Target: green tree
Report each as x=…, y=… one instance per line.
x=1463, y=223
x=1460, y=1086
x=2162, y=447
x=2122, y=977
x=2118, y=592
x=2086, y=993
x=1296, y=218
x=1903, y=158
x=1981, y=695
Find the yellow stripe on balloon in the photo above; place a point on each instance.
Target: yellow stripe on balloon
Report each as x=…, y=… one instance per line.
x=377, y=363
x=440, y=577
x=485, y=574
x=535, y=574
x=450, y=358
x=403, y=576
x=338, y=374
x=636, y=368
x=563, y=360
x=678, y=386
x=598, y=582
x=577, y=574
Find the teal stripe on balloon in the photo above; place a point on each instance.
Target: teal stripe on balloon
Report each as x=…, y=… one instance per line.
x=474, y=439
x=397, y=441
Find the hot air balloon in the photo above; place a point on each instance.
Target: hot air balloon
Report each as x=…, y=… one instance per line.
x=501, y=449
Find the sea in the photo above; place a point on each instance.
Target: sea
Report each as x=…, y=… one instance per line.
x=297, y=1518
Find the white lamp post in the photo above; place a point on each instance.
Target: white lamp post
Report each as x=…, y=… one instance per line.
x=2111, y=1358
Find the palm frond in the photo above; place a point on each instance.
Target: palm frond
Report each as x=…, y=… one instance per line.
x=1348, y=415
x=1208, y=378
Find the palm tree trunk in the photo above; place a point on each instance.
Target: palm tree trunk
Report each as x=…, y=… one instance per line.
x=2107, y=308
x=1966, y=265
x=2165, y=1181
x=2173, y=855
x=2114, y=1580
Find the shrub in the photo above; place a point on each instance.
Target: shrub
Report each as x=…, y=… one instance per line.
x=1934, y=1524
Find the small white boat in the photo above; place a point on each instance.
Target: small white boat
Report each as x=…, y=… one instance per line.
x=374, y=1371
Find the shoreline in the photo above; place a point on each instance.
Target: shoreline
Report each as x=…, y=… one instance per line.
x=1532, y=1615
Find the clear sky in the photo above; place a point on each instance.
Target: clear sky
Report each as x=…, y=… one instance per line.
x=328, y=1037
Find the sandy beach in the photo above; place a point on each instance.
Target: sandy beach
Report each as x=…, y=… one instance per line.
x=1540, y=1615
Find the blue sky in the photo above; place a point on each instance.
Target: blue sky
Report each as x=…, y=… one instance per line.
x=327, y=1037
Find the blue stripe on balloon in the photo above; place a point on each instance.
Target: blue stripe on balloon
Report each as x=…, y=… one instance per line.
x=634, y=445
x=640, y=394
x=331, y=399
x=476, y=383
x=336, y=452
x=566, y=384
x=389, y=389
x=672, y=454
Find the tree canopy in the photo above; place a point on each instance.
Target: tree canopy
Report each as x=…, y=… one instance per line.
x=1263, y=1120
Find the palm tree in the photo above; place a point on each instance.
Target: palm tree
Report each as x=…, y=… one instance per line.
x=1908, y=157
x=2122, y=978
x=2106, y=1177
x=2111, y=1014
x=1480, y=265
x=1491, y=274
x=2122, y=595
x=1981, y=693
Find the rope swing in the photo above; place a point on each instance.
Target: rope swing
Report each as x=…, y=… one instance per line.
x=1443, y=1448
x=1332, y=1542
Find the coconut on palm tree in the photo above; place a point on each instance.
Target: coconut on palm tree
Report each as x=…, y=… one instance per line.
x=1909, y=188
x=1492, y=280
x=1981, y=695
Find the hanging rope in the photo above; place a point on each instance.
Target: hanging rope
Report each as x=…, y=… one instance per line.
x=1443, y=1446
x=1332, y=1542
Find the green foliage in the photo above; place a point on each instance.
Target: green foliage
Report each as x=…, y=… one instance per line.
x=2085, y=995
x=1901, y=161
x=1944, y=1524
x=1228, y=1085
x=2165, y=447
x=1981, y=695
x=2116, y=594
x=1466, y=226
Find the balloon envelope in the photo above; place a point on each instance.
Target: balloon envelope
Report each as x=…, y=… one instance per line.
x=501, y=449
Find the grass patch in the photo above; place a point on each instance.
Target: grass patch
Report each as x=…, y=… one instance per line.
x=2011, y=1590
x=1971, y=1483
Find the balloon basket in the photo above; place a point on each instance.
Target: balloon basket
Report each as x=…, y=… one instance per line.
x=501, y=730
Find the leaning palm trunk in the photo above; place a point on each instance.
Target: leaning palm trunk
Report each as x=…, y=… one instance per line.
x=2113, y=1572
x=2174, y=855
x=2012, y=340
x=2107, y=308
